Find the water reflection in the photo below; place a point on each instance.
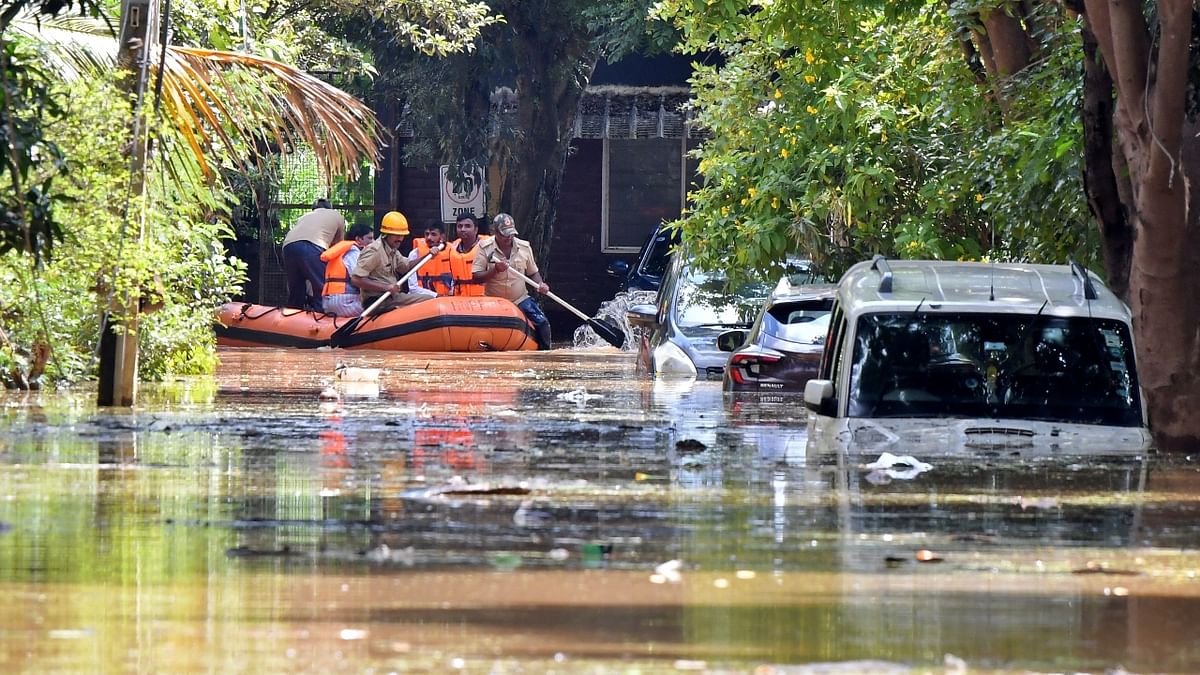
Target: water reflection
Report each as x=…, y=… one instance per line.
x=512, y=512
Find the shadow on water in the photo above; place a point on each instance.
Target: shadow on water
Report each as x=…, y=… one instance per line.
x=550, y=510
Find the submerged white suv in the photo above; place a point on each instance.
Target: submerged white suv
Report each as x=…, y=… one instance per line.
x=951, y=356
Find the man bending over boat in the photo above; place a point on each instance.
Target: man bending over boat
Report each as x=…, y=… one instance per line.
x=492, y=263
x=314, y=232
x=339, y=296
x=382, y=263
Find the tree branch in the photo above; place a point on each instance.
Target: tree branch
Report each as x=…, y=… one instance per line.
x=1170, y=88
x=1131, y=50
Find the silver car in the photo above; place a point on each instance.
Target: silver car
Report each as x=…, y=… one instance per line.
x=677, y=336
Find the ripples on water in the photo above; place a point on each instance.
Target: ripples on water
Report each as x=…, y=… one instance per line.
x=521, y=512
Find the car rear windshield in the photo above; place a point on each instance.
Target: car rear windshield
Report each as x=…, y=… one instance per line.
x=804, y=321
x=1037, y=367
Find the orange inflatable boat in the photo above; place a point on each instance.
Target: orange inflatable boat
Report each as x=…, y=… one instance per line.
x=453, y=324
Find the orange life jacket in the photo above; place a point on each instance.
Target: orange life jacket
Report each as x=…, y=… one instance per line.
x=337, y=277
x=435, y=274
x=460, y=269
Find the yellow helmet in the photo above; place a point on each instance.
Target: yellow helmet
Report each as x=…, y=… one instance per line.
x=394, y=222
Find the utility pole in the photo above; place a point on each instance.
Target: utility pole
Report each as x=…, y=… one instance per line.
x=118, y=341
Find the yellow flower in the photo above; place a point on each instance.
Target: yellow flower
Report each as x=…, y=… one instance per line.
x=779, y=64
x=724, y=210
x=783, y=153
x=883, y=136
x=978, y=198
x=753, y=192
x=808, y=56
x=745, y=201
x=811, y=110
x=775, y=203
x=810, y=79
x=783, y=130
x=778, y=94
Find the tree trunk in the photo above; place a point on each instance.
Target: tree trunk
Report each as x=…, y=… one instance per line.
x=1009, y=44
x=1163, y=285
x=1100, y=181
x=1158, y=145
x=548, y=92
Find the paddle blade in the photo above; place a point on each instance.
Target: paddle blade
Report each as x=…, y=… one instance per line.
x=338, y=337
x=610, y=333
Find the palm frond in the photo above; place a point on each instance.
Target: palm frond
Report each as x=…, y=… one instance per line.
x=72, y=45
x=291, y=106
x=242, y=101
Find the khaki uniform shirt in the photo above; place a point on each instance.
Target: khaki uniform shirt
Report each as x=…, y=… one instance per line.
x=320, y=226
x=380, y=262
x=506, y=285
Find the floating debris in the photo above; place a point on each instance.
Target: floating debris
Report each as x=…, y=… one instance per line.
x=926, y=556
x=578, y=396
x=1094, y=567
x=344, y=373
x=690, y=445
x=667, y=573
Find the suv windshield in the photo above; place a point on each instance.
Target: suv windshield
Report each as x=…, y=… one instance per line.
x=1076, y=370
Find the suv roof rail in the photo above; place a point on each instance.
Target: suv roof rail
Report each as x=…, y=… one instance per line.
x=1089, y=291
x=885, y=273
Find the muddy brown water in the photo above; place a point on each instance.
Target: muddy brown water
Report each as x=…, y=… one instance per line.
x=554, y=512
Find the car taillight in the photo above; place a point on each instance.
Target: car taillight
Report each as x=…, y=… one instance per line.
x=743, y=367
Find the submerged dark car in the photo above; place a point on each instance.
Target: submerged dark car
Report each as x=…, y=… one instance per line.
x=679, y=332
x=647, y=270
x=782, y=350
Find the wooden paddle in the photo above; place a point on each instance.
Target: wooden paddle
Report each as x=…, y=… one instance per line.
x=611, y=334
x=350, y=326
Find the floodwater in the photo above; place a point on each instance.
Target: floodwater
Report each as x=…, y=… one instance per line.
x=551, y=511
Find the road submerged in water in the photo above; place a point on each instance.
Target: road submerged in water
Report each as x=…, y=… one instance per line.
x=553, y=511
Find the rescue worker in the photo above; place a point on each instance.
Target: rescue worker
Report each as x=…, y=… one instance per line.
x=433, y=279
x=339, y=295
x=313, y=232
x=491, y=265
x=381, y=264
x=462, y=257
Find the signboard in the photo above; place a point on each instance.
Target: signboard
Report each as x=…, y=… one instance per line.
x=457, y=202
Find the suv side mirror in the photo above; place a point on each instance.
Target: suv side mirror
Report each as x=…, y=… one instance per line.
x=618, y=269
x=642, y=316
x=818, y=397
x=731, y=339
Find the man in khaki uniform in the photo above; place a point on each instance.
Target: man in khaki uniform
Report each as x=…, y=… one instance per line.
x=313, y=232
x=495, y=257
x=382, y=263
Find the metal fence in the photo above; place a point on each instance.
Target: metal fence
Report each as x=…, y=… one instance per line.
x=299, y=183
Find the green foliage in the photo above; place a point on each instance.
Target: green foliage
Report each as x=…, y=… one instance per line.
x=177, y=261
x=319, y=38
x=840, y=131
x=29, y=163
